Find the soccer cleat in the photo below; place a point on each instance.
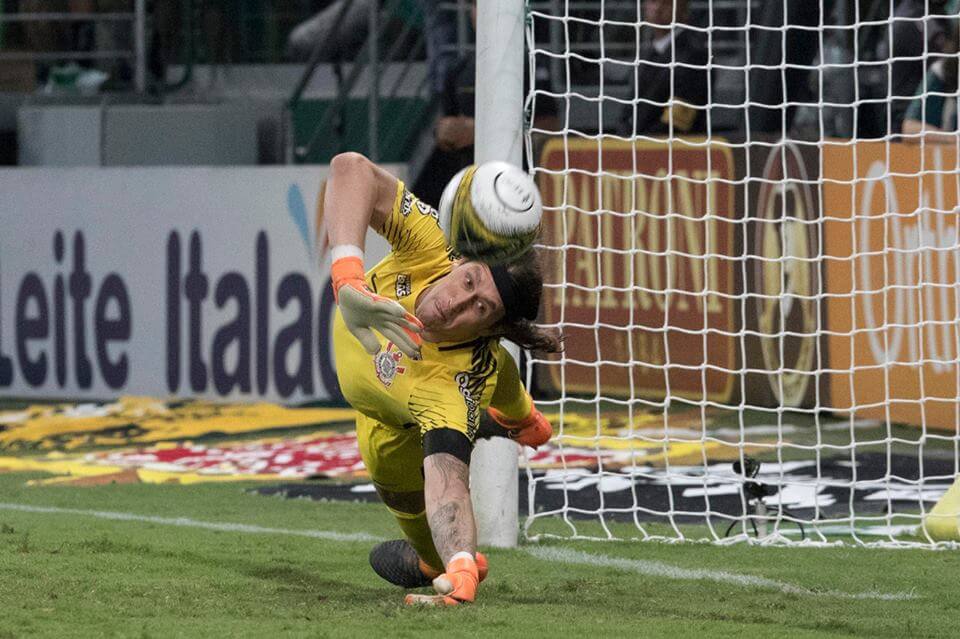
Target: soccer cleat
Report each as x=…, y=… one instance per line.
x=397, y=562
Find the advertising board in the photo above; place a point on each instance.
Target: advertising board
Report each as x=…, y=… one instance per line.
x=782, y=314
x=892, y=280
x=199, y=282
x=639, y=241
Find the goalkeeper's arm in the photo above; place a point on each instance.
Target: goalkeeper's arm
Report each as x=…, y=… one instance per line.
x=358, y=194
x=452, y=524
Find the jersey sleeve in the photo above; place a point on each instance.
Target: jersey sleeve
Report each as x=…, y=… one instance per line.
x=412, y=226
x=510, y=397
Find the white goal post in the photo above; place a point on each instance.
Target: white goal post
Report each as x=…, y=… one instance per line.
x=499, y=136
x=751, y=246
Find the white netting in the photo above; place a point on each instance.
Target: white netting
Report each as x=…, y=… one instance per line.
x=751, y=244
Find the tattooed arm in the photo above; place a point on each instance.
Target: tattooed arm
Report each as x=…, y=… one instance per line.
x=449, y=510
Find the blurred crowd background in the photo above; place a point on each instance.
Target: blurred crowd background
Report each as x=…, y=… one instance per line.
x=394, y=78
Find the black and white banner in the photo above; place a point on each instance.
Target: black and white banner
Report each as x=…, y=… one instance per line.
x=879, y=486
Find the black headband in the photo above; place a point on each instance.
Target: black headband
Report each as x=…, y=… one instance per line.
x=515, y=303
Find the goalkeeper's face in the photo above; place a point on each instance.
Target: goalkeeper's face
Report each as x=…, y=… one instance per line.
x=461, y=305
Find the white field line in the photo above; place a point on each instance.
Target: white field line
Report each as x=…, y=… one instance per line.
x=553, y=555
x=660, y=569
x=193, y=523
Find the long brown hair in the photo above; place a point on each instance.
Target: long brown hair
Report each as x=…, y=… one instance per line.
x=527, y=274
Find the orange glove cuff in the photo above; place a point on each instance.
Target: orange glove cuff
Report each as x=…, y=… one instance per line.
x=460, y=580
x=464, y=564
x=482, y=567
x=515, y=424
x=533, y=430
x=457, y=585
x=347, y=269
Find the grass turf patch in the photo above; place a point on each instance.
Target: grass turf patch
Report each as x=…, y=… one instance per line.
x=80, y=575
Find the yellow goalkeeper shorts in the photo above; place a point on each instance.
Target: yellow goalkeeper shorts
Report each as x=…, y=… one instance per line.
x=394, y=458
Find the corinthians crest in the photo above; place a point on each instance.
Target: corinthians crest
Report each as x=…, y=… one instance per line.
x=387, y=364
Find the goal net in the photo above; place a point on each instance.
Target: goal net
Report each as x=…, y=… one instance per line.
x=751, y=246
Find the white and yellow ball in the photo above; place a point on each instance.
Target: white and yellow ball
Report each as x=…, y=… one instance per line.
x=491, y=212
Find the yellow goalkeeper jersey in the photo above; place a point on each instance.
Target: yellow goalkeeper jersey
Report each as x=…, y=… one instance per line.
x=453, y=382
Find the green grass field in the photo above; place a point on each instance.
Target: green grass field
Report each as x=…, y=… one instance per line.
x=74, y=574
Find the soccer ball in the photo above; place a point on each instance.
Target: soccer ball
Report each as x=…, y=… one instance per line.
x=491, y=212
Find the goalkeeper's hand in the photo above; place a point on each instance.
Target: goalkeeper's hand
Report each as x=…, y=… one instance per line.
x=455, y=586
x=533, y=430
x=364, y=311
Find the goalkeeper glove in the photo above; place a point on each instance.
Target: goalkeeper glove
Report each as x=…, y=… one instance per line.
x=533, y=430
x=457, y=585
x=363, y=310
x=483, y=567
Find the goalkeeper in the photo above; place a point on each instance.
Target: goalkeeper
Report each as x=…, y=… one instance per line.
x=420, y=385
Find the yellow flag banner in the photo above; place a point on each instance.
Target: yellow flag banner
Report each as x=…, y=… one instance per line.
x=136, y=420
x=161, y=442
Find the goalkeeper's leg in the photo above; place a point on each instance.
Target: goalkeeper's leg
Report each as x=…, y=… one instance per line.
x=412, y=562
x=394, y=459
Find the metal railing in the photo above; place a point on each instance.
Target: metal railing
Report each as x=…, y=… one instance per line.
x=137, y=18
x=368, y=59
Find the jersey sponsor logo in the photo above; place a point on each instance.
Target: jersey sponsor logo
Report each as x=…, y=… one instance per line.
x=387, y=364
x=409, y=200
x=471, y=383
x=473, y=405
x=407, y=204
x=404, y=285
